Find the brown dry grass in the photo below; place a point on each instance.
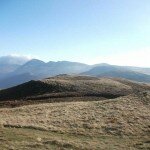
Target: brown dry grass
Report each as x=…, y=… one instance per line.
x=122, y=123
x=66, y=85
x=76, y=120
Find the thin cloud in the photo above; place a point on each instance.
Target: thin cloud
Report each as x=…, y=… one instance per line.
x=29, y=57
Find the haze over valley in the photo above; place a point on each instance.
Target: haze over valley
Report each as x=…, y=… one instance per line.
x=17, y=70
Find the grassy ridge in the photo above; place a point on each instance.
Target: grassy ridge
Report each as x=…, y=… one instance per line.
x=67, y=86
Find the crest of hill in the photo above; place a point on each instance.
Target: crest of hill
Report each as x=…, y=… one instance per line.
x=74, y=86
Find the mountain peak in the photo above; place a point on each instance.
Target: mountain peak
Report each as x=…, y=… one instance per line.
x=35, y=61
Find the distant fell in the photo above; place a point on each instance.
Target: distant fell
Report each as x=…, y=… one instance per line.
x=117, y=72
x=15, y=67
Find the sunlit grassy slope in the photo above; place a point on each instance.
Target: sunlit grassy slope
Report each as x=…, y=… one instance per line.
x=75, y=112
x=121, y=123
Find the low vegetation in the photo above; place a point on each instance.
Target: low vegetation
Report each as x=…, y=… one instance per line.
x=72, y=86
x=81, y=122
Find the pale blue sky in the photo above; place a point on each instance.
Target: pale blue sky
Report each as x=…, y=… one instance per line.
x=89, y=31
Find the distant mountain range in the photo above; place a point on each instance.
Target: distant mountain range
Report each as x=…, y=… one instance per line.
x=117, y=72
x=8, y=64
x=16, y=80
x=17, y=70
x=42, y=69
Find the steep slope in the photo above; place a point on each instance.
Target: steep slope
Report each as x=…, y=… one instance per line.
x=96, y=71
x=135, y=76
x=11, y=67
x=11, y=81
x=41, y=69
x=6, y=69
x=34, y=67
x=66, y=67
x=118, y=72
x=9, y=64
x=138, y=69
x=131, y=68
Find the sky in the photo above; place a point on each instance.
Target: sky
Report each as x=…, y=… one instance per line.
x=87, y=31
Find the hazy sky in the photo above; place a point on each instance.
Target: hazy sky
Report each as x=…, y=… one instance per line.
x=89, y=31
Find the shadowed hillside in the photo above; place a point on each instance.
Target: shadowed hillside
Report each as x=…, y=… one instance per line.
x=71, y=86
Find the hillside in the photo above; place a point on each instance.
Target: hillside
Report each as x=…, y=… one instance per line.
x=41, y=69
x=12, y=75
x=75, y=112
x=65, y=85
x=15, y=80
x=130, y=75
x=76, y=85
x=121, y=123
x=117, y=72
x=9, y=64
x=138, y=69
